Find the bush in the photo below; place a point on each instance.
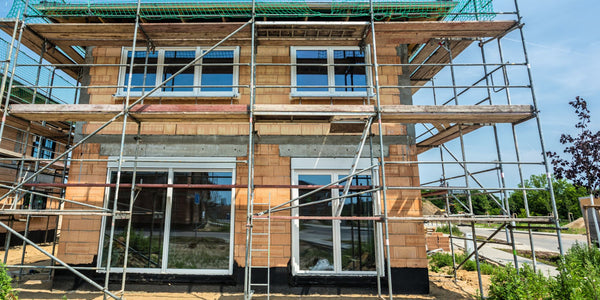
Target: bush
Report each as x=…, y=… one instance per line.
x=6, y=290
x=578, y=278
x=446, y=229
x=527, y=284
x=441, y=260
x=580, y=274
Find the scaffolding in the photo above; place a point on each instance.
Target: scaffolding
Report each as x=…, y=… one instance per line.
x=485, y=102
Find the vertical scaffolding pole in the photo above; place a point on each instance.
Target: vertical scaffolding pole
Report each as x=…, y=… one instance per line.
x=518, y=155
x=443, y=181
x=381, y=154
x=250, y=188
x=132, y=198
x=510, y=231
x=12, y=72
x=466, y=171
x=540, y=133
x=18, y=28
x=122, y=145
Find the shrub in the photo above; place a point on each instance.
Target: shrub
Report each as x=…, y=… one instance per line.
x=441, y=260
x=507, y=284
x=578, y=278
x=6, y=290
x=580, y=274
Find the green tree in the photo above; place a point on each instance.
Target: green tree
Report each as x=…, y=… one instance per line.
x=565, y=193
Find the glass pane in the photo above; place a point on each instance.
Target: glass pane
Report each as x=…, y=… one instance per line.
x=311, y=75
x=147, y=227
x=174, y=61
x=217, y=75
x=351, y=73
x=358, y=237
x=315, y=236
x=200, y=222
x=137, y=79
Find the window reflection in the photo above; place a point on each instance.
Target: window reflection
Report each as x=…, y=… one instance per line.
x=311, y=75
x=200, y=222
x=315, y=236
x=147, y=226
x=357, y=237
x=137, y=79
x=174, y=61
x=217, y=75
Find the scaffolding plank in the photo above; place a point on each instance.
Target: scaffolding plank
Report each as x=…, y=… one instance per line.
x=433, y=53
x=445, y=136
x=34, y=42
x=464, y=114
x=144, y=112
x=442, y=29
x=165, y=34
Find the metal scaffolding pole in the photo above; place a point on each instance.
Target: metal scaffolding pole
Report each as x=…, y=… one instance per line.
x=250, y=190
x=381, y=154
x=540, y=133
x=517, y=153
x=120, y=161
x=12, y=72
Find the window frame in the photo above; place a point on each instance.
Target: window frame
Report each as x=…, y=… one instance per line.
x=171, y=165
x=331, y=92
x=331, y=166
x=160, y=65
x=40, y=144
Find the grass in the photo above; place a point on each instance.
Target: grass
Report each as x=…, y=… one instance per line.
x=446, y=229
x=440, y=262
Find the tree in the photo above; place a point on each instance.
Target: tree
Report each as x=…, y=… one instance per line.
x=583, y=167
x=565, y=193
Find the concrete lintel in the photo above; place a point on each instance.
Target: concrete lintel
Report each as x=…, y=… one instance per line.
x=324, y=150
x=176, y=150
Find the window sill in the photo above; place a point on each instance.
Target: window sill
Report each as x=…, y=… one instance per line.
x=330, y=96
x=181, y=97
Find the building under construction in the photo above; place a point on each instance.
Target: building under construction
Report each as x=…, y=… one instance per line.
x=259, y=143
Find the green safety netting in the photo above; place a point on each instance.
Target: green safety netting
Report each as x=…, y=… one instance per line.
x=458, y=10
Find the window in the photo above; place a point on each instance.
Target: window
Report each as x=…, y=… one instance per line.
x=343, y=247
x=39, y=202
x=174, y=230
x=215, y=75
x=47, y=148
x=329, y=71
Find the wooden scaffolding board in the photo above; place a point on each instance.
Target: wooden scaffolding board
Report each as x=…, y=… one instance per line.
x=193, y=34
x=458, y=114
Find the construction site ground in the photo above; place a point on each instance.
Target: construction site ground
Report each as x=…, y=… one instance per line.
x=36, y=285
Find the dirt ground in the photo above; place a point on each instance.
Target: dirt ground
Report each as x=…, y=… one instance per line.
x=36, y=285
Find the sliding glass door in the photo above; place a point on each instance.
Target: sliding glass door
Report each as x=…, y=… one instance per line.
x=175, y=229
x=333, y=246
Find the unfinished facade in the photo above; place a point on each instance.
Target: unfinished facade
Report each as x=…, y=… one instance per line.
x=258, y=143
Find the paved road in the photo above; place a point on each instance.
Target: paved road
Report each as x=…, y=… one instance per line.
x=542, y=242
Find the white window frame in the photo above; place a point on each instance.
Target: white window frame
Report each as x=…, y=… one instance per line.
x=122, y=91
x=172, y=165
x=331, y=73
x=331, y=166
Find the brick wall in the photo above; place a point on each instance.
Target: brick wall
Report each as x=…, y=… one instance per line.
x=79, y=239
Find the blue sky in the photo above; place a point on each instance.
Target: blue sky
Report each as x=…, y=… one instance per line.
x=563, y=40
